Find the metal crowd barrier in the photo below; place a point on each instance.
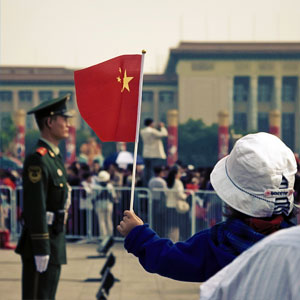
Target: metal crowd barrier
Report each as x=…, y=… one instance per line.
x=8, y=210
x=205, y=210
x=95, y=213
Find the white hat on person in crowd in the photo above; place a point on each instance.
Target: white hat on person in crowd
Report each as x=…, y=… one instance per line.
x=257, y=177
x=103, y=176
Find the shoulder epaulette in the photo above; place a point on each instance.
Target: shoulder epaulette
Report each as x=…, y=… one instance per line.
x=42, y=151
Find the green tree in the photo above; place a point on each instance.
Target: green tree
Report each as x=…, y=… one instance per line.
x=198, y=143
x=7, y=133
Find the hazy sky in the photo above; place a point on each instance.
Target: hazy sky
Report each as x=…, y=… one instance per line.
x=81, y=33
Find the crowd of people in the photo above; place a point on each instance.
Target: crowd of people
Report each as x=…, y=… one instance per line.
x=178, y=183
x=88, y=177
x=258, y=183
x=184, y=179
x=172, y=182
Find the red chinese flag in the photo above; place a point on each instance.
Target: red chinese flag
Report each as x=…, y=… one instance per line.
x=107, y=97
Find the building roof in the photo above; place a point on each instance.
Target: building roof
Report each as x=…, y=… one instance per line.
x=160, y=79
x=12, y=74
x=59, y=75
x=232, y=50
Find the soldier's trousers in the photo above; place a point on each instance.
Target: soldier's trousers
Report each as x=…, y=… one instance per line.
x=37, y=285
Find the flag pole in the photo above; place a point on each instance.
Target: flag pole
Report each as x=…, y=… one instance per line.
x=137, y=132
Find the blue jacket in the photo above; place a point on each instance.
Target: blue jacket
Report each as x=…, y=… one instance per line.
x=196, y=259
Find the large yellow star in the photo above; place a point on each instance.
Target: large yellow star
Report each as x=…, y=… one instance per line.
x=126, y=81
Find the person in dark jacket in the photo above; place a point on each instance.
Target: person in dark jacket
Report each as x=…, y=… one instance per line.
x=46, y=198
x=256, y=183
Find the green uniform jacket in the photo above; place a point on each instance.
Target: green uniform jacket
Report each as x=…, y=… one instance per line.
x=44, y=189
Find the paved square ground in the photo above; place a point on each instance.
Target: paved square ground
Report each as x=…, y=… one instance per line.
x=135, y=283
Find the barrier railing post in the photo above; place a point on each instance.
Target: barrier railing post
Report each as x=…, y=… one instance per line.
x=13, y=214
x=145, y=207
x=193, y=215
x=89, y=224
x=150, y=214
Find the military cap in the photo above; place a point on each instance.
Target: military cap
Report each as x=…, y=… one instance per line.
x=52, y=107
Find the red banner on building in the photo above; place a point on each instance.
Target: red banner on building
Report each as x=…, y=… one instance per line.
x=275, y=122
x=19, y=146
x=223, y=134
x=20, y=142
x=172, y=117
x=223, y=137
x=172, y=145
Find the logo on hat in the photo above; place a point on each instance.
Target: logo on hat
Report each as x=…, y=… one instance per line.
x=279, y=193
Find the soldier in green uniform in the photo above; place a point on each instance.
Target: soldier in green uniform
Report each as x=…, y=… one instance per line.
x=46, y=198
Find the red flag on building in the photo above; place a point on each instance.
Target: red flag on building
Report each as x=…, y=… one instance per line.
x=107, y=97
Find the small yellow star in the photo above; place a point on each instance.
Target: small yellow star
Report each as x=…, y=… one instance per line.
x=126, y=81
x=119, y=79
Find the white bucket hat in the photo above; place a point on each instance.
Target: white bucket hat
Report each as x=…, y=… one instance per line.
x=257, y=177
x=103, y=176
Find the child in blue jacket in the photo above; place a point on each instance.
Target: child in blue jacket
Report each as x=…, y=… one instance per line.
x=256, y=183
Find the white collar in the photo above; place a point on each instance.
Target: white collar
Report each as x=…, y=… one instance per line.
x=54, y=148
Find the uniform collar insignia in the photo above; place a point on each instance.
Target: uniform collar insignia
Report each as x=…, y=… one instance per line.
x=51, y=153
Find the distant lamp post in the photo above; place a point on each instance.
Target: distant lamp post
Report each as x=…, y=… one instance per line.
x=172, y=117
x=234, y=136
x=275, y=122
x=71, y=140
x=223, y=134
x=20, y=117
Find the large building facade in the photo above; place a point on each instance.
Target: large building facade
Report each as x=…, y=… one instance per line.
x=247, y=79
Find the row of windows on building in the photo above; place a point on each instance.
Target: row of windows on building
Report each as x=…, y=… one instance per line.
x=265, y=88
x=265, y=91
x=164, y=96
x=287, y=125
x=27, y=95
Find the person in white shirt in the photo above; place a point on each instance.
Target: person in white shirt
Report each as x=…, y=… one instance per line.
x=158, y=187
x=174, y=195
x=105, y=197
x=268, y=270
x=153, y=148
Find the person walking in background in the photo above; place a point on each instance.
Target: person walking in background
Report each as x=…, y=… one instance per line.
x=46, y=198
x=105, y=196
x=153, y=148
x=158, y=188
x=256, y=183
x=175, y=194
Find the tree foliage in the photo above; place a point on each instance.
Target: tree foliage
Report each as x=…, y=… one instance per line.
x=198, y=143
x=7, y=133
